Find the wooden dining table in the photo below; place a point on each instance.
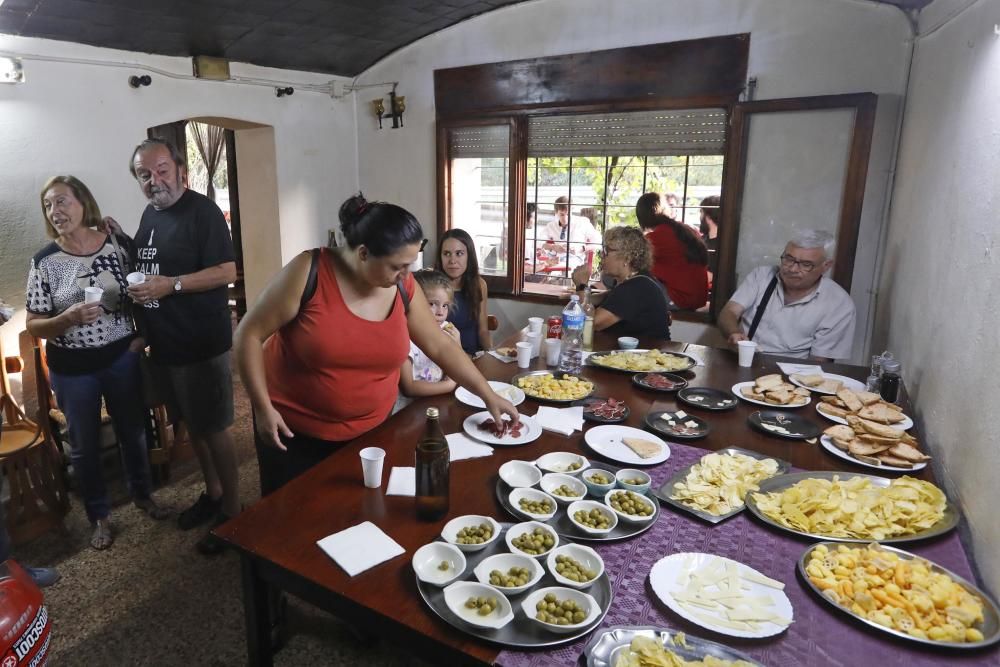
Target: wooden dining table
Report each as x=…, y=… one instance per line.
x=276, y=537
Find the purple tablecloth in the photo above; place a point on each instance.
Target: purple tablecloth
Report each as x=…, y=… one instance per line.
x=820, y=634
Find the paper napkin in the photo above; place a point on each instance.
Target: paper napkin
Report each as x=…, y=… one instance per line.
x=360, y=547
x=560, y=420
x=402, y=482
x=505, y=359
x=801, y=369
x=462, y=447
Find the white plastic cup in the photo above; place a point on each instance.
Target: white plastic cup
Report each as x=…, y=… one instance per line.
x=523, y=354
x=92, y=294
x=535, y=324
x=746, y=348
x=135, y=278
x=371, y=465
x=553, y=347
x=535, y=338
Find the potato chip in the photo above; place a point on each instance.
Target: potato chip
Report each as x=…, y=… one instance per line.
x=647, y=652
x=855, y=508
x=566, y=388
x=651, y=360
x=719, y=482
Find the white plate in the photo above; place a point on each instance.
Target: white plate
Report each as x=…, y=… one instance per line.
x=904, y=425
x=740, y=385
x=530, y=430
x=666, y=573
x=828, y=445
x=516, y=396
x=606, y=440
x=849, y=383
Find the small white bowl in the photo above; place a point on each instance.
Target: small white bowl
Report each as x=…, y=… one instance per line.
x=645, y=500
x=519, y=529
x=628, y=343
x=456, y=595
x=595, y=488
x=588, y=603
x=450, y=531
x=428, y=557
x=632, y=473
x=585, y=556
x=520, y=474
x=504, y=562
x=554, y=480
x=517, y=495
x=587, y=505
x=560, y=462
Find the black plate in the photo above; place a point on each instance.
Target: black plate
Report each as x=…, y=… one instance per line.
x=712, y=398
x=592, y=360
x=654, y=422
x=591, y=417
x=799, y=428
x=639, y=380
x=568, y=530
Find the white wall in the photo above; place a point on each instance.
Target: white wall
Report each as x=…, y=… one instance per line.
x=797, y=48
x=85, y=120
x=938, y=308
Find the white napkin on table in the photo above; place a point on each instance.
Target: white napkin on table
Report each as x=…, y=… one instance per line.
x=801, y=369
x=505, y=359
x=360, y=547
x=560, y=420
x=402, y=482
x=462, y=447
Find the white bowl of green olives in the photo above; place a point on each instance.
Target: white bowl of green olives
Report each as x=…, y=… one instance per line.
x=633, y=480
x=438, y=563
x=532, y=538
x=533, y=504
x=471, y=532
x=564, y=488
x=575, y=565
x=598, y=481
x=561, y=610
x=592, y=517
x=566, y=463
x=630, y=506
x=520, y=473
x=510, y=573
x=478, y=604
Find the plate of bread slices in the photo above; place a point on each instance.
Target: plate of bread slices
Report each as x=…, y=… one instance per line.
x=864, y=404
x=874, y=445
x=773, y=391
x=825, y=383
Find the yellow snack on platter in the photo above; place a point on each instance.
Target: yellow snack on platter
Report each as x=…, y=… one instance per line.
x=719, y=482
x=906, y=595
x=566, y=388
x=855, y=507
x=651, y=360
x=646, y=652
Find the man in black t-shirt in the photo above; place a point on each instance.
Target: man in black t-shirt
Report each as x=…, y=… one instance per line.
x=184, y=248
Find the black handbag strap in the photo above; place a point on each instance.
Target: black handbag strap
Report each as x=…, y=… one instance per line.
x=311, y=281
x=762, y=306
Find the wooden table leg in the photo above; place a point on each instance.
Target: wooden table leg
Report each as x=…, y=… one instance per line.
x=257, y=614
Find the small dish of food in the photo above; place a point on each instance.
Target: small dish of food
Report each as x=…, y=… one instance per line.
x=478, y=604
x=566, y=463
x=438, y=563
x=561, y=610
x=598, y=482
x=520, y=473
x=631, y=479
x=531, y=537
x=630, y=506
x=510, y=573
x=575, y=565
x=592, y=517
x=471, y=532
x=532, y=503
x=564, y=488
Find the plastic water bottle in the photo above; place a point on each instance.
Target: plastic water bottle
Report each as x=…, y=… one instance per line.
x=571, y=358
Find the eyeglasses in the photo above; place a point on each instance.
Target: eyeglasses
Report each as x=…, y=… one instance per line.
x=788, y=262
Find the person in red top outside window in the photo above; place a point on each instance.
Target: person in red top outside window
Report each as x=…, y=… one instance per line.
x=680, y=258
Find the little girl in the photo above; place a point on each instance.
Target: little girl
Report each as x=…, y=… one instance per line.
x=420, y=376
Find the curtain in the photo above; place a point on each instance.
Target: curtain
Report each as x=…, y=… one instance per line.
x=210, y=140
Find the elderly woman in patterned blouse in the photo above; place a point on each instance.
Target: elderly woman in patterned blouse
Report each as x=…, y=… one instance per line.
x=77, y=300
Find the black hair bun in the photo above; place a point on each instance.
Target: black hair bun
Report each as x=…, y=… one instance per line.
x=352, y=210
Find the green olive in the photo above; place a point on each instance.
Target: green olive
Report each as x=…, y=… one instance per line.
x=543, y=506
x=600, y=478
x=537, y=542
x=565, y=492
x=572, y=570
x=444, y=566
x=628, y=502
x=595, y=519
x=556, y=612
x=475, y=534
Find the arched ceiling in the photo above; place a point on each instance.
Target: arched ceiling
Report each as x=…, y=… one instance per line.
x=342, y=37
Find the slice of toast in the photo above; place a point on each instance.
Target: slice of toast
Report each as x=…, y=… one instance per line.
x=643, y=448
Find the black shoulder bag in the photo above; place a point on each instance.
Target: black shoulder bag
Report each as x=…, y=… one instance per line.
x=762, y=306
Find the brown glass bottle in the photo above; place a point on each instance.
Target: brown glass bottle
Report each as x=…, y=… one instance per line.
x=432, y=470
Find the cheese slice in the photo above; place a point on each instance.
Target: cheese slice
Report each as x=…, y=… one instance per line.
x=644, y=448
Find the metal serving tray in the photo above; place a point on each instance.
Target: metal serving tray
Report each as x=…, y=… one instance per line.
x=603, y=648
x=553, y=373
x=594, y=359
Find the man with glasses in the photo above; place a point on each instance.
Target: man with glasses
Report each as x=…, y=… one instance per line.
x=794, y=310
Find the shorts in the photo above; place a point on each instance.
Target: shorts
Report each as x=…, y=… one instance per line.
x=201, y=393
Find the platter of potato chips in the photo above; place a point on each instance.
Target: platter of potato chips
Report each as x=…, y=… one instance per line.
x=642, y=361
x=901, y=594
x=647, y=646
x=848, y=507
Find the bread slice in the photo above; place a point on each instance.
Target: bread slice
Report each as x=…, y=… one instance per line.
x=867, y=397
x=840, y=431
x=878, y=412
x=867, y=426
x=852, y=402
x=832, y=400
x=830, y=409
x=908, y=452
x=877, y=439
x=814, y=380
x=766, y=382
x=860, y=448
x=890, y=460
x=832, y=386
x=644, y=448
x=779, y=396
x=801, y=391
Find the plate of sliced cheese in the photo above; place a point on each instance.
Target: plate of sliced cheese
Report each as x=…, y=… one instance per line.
x=627, y=445
x=722, y=595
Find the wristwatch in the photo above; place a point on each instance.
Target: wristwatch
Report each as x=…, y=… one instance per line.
x=177, y=285
x=581, y=287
